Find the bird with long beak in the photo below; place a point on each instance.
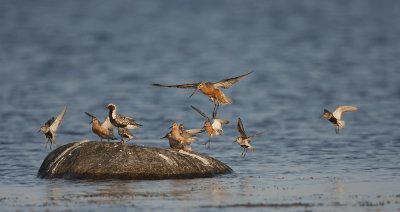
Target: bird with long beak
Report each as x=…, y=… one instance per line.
x=214, y=128
x=243, y=139
x=103, y=130
x=336, y=117
x=49, y=128
x=211, y=89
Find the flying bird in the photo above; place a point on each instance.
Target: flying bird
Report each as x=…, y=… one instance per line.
x=49, y=128
x=336, y=117
x=243, y=139
x=211, y=89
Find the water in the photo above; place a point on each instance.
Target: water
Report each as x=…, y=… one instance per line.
x=306, y=56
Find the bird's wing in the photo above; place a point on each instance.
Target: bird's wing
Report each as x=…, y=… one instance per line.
x=227, y=83
x=126, y=120
x=240, y=128
x=199, y=111
x=189, y=85
x=106, y=123
x=49, y=122
x=258, y=134
x=124, y=131
x=222, y=121
x=342, y=109
x=195, y=131
x=58, y=120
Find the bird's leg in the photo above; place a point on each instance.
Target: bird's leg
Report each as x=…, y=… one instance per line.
x=214, y=110
x=244, y=152
x=216, y=106
x=48, y=141
x=51, y=143
x=208, y=143
x=337, y=130
x=45, y=146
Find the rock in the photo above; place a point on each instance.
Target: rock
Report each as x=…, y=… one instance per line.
x=109, y=160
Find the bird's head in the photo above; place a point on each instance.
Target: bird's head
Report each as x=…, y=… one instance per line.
x=168, y=135
x=327, y=114
x=111, y=107
x=181, y=127
x=44, y=129
x=207, y=123
x=91, y=116
x=200, y=85
x=176, y=126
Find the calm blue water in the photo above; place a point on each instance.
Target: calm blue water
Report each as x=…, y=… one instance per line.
x=306, y=56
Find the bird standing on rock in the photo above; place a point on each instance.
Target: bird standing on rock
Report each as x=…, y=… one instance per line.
x=125, y=133
x=179, y=138
x=119, y=120
x=103, y=130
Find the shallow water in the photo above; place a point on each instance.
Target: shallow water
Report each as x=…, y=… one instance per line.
x=306, y=56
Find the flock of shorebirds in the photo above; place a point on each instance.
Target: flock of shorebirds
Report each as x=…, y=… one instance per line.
x=178, y=136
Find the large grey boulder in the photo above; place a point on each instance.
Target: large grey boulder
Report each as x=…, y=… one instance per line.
x=109, y=160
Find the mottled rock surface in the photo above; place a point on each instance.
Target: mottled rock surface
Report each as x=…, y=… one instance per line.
x=109, y=160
